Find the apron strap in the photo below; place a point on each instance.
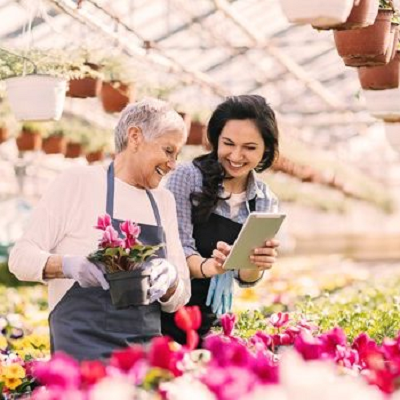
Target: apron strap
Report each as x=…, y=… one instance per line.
x=252, y=205
x=154, y=207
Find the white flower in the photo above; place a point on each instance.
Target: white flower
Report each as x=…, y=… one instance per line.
x=187, y=387
x=113, y=388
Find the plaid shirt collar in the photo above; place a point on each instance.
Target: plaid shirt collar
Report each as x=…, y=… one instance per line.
x=253, y=190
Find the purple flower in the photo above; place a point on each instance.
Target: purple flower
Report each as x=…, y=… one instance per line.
x=110, y=238
x=103, y=222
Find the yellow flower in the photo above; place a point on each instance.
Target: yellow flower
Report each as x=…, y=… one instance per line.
x=3, y=343
x=12, y=383
x=14, y=371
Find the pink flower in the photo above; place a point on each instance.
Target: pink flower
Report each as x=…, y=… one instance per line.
x=103, y=222
x=110, y=238
x=61, y=371
x=130, y=229
x=346, y=357
x=309, y=347
x=332, y=339
x=228, y=323
x=279, y=319
x=365, y=346
x=262, y=338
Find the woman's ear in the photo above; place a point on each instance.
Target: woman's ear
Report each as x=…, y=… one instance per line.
x=135, y=137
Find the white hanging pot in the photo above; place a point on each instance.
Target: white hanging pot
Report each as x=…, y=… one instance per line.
x=317, y=12
x=36, y=97
x=393, y=135
x=384, y=104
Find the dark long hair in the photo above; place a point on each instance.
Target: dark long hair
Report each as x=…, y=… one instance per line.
x=252, y=107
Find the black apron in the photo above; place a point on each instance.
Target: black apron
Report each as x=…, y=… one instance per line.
x=85, y=324
x=206, y=236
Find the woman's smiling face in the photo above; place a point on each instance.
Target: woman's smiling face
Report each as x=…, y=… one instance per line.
x=240, y=147
x=157, y=158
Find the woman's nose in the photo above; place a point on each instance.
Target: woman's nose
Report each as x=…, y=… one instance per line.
x=236, y=154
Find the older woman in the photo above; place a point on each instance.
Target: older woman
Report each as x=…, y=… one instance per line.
x=83, y=321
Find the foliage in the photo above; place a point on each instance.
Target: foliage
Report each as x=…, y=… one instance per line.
x=117, y=69
x=44, y=62
x=121, y=254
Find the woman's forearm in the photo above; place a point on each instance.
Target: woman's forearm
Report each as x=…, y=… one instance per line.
x=53, y=268
x=250, y=275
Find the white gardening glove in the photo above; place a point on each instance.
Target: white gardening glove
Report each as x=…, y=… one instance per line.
x=163, y=275
x=84, y=272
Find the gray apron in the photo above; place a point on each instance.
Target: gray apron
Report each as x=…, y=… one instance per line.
x=85, y=324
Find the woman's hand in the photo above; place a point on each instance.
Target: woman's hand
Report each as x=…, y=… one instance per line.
x=213, y=266
x=265, y=257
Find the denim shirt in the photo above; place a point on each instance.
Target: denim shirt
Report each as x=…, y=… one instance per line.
x=187, y=179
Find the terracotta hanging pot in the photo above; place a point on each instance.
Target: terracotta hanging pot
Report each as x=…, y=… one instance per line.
x=362, y=14
x=95, y=156
x=366, y=46
x=74, y=150
x=54, y=145
x=187, y=119
x=3, y=134
x=85, y=87
x=115, y=96
x=196, y=133
x=29, y=140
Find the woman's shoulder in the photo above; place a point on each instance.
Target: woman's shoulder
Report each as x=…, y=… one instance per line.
x=185, y=172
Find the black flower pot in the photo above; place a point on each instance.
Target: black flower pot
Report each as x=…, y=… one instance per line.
x=129, y=288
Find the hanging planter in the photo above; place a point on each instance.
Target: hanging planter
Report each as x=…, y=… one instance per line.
x=74, y=150
x=196, y=133
x=115, y=96
x=366, y=46
x=54, y=144
x=35, y=84
x=95, y=156
x=87, y=86
x=362, y=14
x=381, y=77
x=317, y=12
x=36, y=97
x=392, y=132
x=29, y=139
x=384, y=104
x=3, y=134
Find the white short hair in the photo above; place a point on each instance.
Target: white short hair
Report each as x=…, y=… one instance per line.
x=153, y=116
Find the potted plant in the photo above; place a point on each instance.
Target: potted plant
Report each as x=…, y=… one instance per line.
x=55, y=142
x=316, y=12
x=88, y=82
x=368, y=46
x=30, y=137
x=117, y=89
x=197, y=128
x=97, y=145
x=78, y=135
x=362, y=14
x=35, y=83
x=124, y=261
x=3, y=131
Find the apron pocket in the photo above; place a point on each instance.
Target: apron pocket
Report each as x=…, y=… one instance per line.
x=136, y=320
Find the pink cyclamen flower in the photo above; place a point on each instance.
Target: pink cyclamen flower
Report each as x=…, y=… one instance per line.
x=60, y=371
x=279, y=319
x=130, y=229
x=103, y=222
x=110, y=238
x=228, y=323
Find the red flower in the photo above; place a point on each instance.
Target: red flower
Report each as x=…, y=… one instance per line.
x=188, y=318
x=192, y=339
x=228, y=323
x=125, y=359
x=92, y=372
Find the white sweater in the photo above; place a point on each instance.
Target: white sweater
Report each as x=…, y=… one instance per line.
x=63, y=223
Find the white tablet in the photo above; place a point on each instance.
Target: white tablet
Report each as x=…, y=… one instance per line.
x=258, y=228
